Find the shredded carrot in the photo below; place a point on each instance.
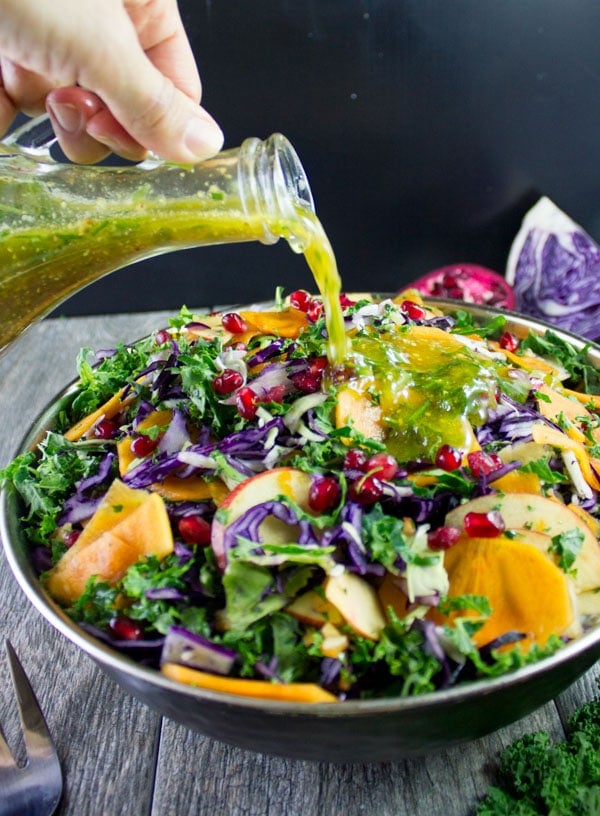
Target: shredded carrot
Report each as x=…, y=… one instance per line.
x=157, y=419
x=530, y=362
x=263, y=689
x=193, y=488
x=286, y=323
x=546, y=435
x=585, y=399
x=111, y=408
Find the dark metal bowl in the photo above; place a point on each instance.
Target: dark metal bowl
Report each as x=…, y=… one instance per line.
x=353, y=731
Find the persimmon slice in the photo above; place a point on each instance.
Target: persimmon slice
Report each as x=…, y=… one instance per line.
x=528, y=593
x=144, y=531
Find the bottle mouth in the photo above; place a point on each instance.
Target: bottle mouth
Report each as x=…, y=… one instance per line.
x=274, y=187
x=290, y=177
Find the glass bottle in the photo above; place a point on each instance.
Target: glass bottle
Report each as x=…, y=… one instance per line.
x=63, y=226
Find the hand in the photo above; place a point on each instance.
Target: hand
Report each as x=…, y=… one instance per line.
x=114, y=75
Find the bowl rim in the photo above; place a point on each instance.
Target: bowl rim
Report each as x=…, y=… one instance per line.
x=112, y=659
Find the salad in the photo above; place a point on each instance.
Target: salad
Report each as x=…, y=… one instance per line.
x=219, y=504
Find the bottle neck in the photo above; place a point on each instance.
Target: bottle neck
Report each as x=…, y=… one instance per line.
x=273, y=186
x=63, y=226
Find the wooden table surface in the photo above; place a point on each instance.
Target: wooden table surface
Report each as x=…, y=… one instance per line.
x=119, y=757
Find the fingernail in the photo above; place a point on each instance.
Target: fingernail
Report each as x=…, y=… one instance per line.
x=202, y=137
x=67, y=117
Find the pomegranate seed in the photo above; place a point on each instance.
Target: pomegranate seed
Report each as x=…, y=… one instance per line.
x=366, y=490
x=143, y=445
x=412, y=310
x=300, y=300
x=449, y=286
x=483, y=525
x=71, y=537
x=317, y=364
x=443, y=538
x=314, y=310
x=194, y=529
x=162, y=337
x=384, y=464
x=345, y=301
x=324, y=493
x=455, y=292
x=448, y=458
x=106, y=429
x=355, y=459
x=274, y=394
x=509, y=341
x=227, y=382
x=482, y=463
x=307, y=382
x=449, y=279
x=125, y=628
x=234, y=323
x=246, y=402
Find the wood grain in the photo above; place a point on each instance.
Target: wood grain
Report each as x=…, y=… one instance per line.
x=121, y=758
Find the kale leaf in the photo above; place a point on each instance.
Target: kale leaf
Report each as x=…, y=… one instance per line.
x=539, y=777
x=583, y=375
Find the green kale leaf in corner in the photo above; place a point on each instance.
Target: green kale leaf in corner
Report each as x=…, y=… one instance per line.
x=540, y=778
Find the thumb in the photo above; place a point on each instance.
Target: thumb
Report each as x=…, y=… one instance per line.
x=134, y=82
x=158, y=116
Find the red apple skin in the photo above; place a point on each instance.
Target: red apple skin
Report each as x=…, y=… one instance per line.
x=258, y=489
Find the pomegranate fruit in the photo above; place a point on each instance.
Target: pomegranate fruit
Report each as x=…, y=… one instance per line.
x=468, y=282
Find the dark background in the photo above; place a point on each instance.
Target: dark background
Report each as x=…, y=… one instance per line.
x=426, y=127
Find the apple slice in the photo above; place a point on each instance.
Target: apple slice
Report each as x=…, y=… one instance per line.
x=360, y=411
x=524, y=452
x=313, y=609
x=539, y=514
x=357, y=602
x=588, y=604
x=258, y=489
x=334, y=642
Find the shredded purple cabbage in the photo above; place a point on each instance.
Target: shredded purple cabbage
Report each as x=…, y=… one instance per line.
x=190, y=649
x=81, y=505
x=247, y=525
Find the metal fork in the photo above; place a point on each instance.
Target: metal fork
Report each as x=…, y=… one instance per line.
x=36, y=788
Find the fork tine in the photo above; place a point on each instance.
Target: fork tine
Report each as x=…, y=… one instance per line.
x=34, y=790
x=38, y=741
x=6, y=759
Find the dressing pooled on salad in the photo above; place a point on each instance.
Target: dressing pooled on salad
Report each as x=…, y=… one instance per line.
x=219, y=502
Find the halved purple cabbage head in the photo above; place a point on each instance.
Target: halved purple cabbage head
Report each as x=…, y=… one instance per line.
x=554, y=268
